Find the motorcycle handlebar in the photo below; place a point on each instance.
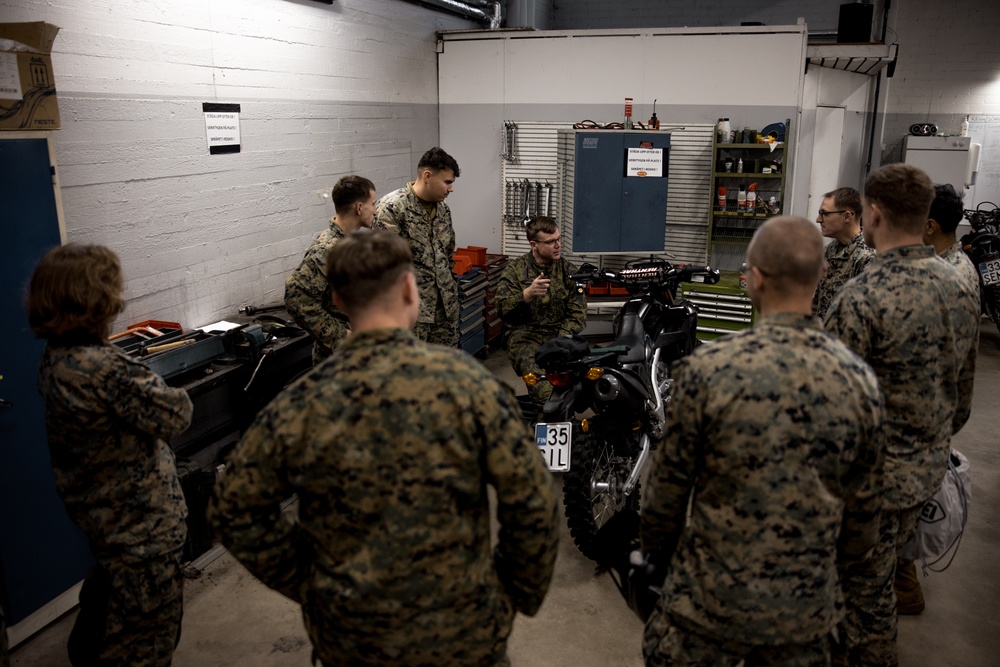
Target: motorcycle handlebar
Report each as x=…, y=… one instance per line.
x=663, y=274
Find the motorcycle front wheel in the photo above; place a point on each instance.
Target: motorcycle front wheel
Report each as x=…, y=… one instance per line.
x=603, y=521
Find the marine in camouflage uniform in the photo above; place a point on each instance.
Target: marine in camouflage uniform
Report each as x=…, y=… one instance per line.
x=307, y=292
x=390, y=446
x=847, y=255
x=308, y=299
x=775, y=430
x=561, y=310
x=773, y=435
x=843, y=263
x=419, y=214
x=955, y=256
x=916, y=323
x=107, y=417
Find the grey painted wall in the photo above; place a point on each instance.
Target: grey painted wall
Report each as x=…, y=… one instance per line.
x=325, y=90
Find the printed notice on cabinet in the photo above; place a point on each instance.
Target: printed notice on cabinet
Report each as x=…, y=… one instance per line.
x=644, y=162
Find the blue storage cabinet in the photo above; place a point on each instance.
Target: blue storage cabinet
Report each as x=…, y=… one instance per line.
x=618, y=205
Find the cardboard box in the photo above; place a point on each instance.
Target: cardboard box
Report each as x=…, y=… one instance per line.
x=27, y=87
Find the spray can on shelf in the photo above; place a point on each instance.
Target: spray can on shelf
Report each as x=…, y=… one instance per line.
x=628, y=113
x=741, y=199
x=752, y=198
x=720, y=201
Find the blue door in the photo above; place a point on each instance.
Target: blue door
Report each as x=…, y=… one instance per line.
x=42, y=553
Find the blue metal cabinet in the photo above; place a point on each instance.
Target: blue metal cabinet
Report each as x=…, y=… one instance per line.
x=617, y=205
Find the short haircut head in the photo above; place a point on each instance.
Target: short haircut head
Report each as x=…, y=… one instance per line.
x=848, y=199
x=947, y=208
x=541, y=224
x=76, y=290
x=365, y=264
x=789, y=250
x=903, y=193
x=437, y=160
x=350, y=190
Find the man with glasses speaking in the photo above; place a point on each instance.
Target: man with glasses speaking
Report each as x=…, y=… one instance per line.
x=839, y=218
x=537, y=300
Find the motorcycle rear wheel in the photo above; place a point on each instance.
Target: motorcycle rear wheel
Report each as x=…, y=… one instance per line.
x=593, y=496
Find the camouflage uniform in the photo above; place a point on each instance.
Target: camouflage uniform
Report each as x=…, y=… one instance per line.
x=561, y=311
x=912, y=318
x=843, y=262
x=107, y=416
x=775, y=431
x=390, y=446
x=308, y=299
x=954, y=255
x=428, y=230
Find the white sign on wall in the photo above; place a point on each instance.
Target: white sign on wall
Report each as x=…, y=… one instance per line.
x=644, y=162
x=222, y=127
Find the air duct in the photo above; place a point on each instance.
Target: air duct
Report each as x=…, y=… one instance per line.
x=485, y=11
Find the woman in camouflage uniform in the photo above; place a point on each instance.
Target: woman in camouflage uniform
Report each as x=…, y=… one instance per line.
x=107, y=416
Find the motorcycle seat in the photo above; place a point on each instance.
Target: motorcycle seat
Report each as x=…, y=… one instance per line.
x=633, y=337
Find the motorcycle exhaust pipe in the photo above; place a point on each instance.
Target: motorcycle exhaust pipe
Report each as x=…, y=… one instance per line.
x=607, y=388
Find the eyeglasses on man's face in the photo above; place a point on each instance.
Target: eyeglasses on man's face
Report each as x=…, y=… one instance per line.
x=823, y=213
x=550, y=242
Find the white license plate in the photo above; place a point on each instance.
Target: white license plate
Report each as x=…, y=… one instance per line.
x=554, y=442
x=990, y=271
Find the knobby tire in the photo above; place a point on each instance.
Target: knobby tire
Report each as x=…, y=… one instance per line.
x=591, y=455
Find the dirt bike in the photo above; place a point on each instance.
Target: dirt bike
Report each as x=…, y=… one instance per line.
x=982, y=245
x=608, y=404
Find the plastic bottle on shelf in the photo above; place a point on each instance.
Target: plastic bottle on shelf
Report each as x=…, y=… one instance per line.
x=727, y=131
x=741, y=199
x=718, y=132
x=965, y=126
x=739, y=166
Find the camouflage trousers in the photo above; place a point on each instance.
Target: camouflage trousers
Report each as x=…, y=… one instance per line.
x=130, y=614
x=670, y=642
x=521, y=347
x=868, y=631
x=443, y=330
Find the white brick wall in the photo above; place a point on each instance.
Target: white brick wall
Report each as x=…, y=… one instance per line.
x=585, y=14
x=325, y=90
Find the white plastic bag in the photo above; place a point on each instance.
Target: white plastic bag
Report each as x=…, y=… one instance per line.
x=942, y=518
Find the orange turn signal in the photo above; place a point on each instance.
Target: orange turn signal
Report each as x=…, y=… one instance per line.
x=530, y=379
x=595, y=373
x=585, y=425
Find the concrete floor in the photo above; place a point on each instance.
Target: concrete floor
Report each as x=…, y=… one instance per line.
x=232, y=619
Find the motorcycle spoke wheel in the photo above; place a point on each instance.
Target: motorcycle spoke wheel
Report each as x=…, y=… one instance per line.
x=991, y=303
x=593, y=495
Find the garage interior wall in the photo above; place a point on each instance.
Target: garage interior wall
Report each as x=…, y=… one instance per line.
x=324, y=90
x=352, y=87
x=568, y=76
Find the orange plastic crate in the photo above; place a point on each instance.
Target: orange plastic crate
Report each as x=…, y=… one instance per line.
x=479, y=255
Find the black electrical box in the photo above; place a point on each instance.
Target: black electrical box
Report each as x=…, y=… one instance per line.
x=855, y=26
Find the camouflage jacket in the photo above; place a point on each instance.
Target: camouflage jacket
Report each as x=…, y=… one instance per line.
x=432, y=242
x=390, y=446
x=843, y=262
x=308, y=299
x=776, y=432
x=107, y=416
x=910, y=316
x=954, y=254
x=563, y=309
